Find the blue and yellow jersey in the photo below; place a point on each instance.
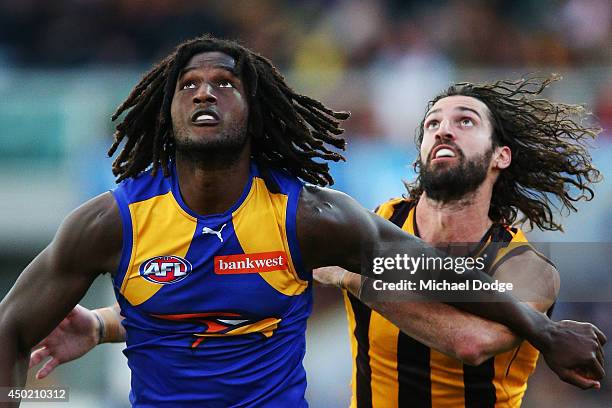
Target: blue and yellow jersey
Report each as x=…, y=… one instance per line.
x=215, y=306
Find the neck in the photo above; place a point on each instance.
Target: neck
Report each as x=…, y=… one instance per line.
x=212, y=188
x=463, y=220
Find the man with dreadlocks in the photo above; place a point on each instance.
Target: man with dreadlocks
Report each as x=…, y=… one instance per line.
x=212, y=236
x=486, y=152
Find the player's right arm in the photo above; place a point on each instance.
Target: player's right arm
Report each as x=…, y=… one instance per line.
x=452, y=331
x=334, y=230
x=76, y=335
x=87, y=244
x=449, y=330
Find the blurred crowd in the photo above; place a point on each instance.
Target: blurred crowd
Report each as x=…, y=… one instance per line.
x=334, y=36
x=382, y=60
x=356, y=32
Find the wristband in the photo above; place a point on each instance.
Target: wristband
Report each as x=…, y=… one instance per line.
x=113, y=330
x=100, y=327
x=341, y=279
x=363, y=282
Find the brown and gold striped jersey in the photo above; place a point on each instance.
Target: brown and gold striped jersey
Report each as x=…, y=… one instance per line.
x=391, y=369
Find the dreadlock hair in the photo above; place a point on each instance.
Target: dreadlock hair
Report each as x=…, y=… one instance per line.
x=288, y=130
x=551, y=167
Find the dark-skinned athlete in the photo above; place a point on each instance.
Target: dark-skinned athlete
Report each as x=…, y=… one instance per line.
x=486, y=150
x=212, y=235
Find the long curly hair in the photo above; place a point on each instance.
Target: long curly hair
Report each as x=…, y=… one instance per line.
x=551, y=166
x=288, y=130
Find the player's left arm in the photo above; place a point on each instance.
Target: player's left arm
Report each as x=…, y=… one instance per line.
x=333, y=229
x=452, y=331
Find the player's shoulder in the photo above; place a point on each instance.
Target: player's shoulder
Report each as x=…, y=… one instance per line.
x=280, y=177
x=524, y=258
x=535, y=277
x=331, y=226
x=144, y=185
x=96, y=213
x=332, y=207
x=389, y=207
x=91, y=234
x=322, y=205
x=95, y=221
x=313, y=194
x=530, y=256
x=331, y=214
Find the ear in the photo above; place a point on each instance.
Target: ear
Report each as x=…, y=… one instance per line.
x=502, y=157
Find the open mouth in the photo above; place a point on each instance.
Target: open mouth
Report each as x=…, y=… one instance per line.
x=443, y=152
x=205, y=117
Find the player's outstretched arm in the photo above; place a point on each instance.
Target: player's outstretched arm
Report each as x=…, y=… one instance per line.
x=76, y=335
x=451, y=331
x=87, y=244
x=454, y=332
x=333, y=229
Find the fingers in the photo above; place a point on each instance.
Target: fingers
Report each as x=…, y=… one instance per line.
x=599, y=353
x=574, y=378
x=64, y=324
x=600, y=356
x=38, y=355
x=598, y=371
x=600, y=336
x=47, y=368
x=41, y=344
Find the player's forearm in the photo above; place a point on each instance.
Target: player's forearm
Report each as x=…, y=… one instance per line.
x=13, y=360
x=353, y=230
x=110, y=328
x=451, y=331
x=500, y=307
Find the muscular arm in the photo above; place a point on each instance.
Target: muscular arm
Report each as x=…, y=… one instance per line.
x=462, y=335
x=88, y=243
x=333, y=230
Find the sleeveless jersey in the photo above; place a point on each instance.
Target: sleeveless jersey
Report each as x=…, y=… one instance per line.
x=215, y=306
x=391, y=369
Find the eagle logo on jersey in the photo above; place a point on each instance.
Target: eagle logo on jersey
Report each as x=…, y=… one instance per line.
x=165, y=269
x=220, y=324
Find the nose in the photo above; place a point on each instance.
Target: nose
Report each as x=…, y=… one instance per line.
x=204, y=94
x=445, y=131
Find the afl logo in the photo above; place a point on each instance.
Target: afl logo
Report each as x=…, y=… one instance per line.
x=165, y=269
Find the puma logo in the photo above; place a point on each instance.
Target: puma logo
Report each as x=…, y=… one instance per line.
x=207, y=230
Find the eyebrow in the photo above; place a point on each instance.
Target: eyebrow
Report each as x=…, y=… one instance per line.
x=225, y=67
x=460, y=108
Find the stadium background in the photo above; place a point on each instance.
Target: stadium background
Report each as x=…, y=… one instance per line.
x=65, y=65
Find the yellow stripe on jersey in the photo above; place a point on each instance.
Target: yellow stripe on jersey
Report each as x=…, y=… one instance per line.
x=512, y=369
x=446, y=376
x=175, y=225
x=270, y=210
x=384, y=370
x=386, y=210
x=350, y=316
